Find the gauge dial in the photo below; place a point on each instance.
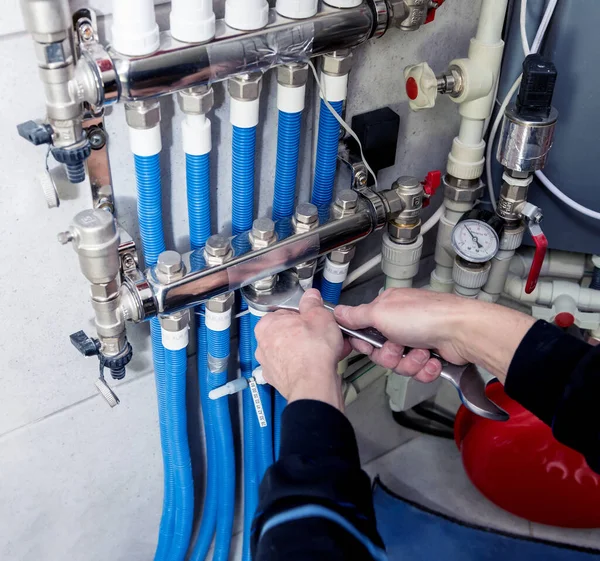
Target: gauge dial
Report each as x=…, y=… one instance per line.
x=475, y=241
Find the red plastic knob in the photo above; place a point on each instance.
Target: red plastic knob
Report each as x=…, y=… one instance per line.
x=431, y=13
x=564, y=319
x=412, y=88
x=433, y=180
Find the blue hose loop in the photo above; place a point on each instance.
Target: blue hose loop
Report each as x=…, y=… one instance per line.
x=595, y=284
x=149, y=207
x=265, y=435
x=326, y=161
x=197, y=173
x=331, y=291
x=242, y=178
x=286, y=169
x=176, y=368
x=218, y=345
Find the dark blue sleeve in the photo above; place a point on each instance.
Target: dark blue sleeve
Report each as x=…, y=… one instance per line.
x=315, y=501
x=557, y=377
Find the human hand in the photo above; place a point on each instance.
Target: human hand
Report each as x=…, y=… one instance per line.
x=410, y=318
x=299, y=352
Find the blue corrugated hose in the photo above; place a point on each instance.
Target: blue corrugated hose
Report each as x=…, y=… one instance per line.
x=286, y=169
x=197, y=173
x=175, y=370
x=242, y=178
x=218, y=347
x=326, y=161
x=147, y=174
x=331, y=291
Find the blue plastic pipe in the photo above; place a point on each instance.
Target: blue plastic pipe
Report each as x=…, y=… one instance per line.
x=176, y=369
x=326, y=160
x=242, y=178
x=218, y=348
x=331, y=291
x=149, y=208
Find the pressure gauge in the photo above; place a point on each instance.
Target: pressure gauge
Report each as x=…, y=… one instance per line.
x=476, y=236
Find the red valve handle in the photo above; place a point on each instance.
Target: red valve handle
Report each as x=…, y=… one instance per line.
x=433, y=180
x=431, y=12
x=541, y=245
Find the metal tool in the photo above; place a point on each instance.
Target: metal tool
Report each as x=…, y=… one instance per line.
x=465, y=378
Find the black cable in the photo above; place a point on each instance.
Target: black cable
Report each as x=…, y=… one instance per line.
x=408, y=422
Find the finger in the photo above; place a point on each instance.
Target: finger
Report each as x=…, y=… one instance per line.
x=388, y=356
x=355, y=317
x=413, y=362
x=346, y=349
x=265, y=323
x=310, y=300
x=361, y=346
x=430, y=372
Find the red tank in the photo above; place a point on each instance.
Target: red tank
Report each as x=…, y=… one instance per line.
x=522, y=468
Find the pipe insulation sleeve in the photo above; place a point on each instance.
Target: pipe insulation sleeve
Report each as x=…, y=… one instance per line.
x=297, y=9
x=211, y=499
x=334, y=276
x=196, y=132
x=326, y=160
x=265, y=436
x=335, y=88
x=192, y=21
x=176, y=367
x=145, y=142
x=243, y=114
x=218, y=345
x=242, y=184
x=246, y=15
x=134, y=28
x=290, y=99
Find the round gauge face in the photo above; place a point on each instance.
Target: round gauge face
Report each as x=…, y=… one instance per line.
x=475, y=241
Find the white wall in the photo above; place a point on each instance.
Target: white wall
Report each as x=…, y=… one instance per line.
x=78, y=480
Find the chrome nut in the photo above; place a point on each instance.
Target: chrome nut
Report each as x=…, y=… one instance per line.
x=305, y=270
x=217, y=250
x=265, y=285
x=292, y=75
x=221, y=303
x=342, y=255
x=142, y=114
x=175, y=322
x=169, y=267
x=245, y=87
x=105, y=291
x=306, y=218
x=393, y=201
x=196, y=101
x=262, y=234
x=404, y=233
x=337, y=63
x=398, y=11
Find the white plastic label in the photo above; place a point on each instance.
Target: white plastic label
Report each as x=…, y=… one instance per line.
x=175, y=340
x=262, y=420
x=334, y=272
x=218, y=321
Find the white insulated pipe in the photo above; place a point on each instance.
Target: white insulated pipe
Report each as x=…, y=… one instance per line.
x=192, y=21
x=134, y=28
x=246, y=15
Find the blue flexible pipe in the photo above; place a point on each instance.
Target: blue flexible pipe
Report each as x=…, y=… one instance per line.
x=280, y=405
x=218, y=347
x=326, y=161
x=198, y=194
x=242, y=178
x=331, y=291
x=149, y=208
x=176, y=369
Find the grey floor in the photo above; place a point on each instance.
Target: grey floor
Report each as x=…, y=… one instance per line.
x=429, y=470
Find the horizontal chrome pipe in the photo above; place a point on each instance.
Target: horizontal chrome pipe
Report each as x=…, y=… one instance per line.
x=201, y=283
x=175, y=65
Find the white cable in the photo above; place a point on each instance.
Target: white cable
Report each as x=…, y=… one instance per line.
x=341, y=121
x=374, y=261
x=523, y=27
x=565, y=199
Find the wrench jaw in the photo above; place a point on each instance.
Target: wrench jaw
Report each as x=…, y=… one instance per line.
x=471, y=390
x=285, y=295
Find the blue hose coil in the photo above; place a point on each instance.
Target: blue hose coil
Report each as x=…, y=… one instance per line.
x=147, y=174
x=242, y=178
x=176, y=368
x=218, y=343
x=286, y=169
x=595, y=284
x=265, y=436
x=326, y=161
x=197, y=172
x=331, y=291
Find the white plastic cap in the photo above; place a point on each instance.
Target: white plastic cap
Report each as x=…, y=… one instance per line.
x=192, y=21
x=343, y=3
x=246, y=15
x=134, y=29
x=296, y=9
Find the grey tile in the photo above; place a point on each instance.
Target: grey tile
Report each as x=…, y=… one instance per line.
x=376, y=431
x=429, y=470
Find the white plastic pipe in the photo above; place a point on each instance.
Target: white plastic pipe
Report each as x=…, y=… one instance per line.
x=557, y=264
x=246, y=15
x=491, y=20
x=296, y=9
x=196, y=133
x=134, y=28
x=192, y=21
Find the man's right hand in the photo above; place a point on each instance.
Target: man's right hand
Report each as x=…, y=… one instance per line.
x=459, y=329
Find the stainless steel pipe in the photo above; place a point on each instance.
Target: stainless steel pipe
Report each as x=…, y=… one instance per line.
x=201, y=284
x=175, y=65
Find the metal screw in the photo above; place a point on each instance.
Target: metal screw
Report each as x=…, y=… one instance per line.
x=97, y=138
x=307, y=213
x=86, y=31
x=218, y=246
x=65, y=237
x=347, y=199
x=263, y=229
x=128, y=261
x=360, y=177
x=169, y=263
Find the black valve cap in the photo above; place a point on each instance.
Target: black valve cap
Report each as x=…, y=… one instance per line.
x=537, y=87
x=34, y=132
x=84, y=344
x=117, y=364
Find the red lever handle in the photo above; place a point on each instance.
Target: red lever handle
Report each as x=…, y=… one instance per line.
x=541, y=245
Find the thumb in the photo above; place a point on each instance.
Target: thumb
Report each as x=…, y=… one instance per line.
x=355, y=317
x=310, y=299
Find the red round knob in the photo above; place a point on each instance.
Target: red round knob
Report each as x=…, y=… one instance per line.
x=564, y=319
x=412, y=88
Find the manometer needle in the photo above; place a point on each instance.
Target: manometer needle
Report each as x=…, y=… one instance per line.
x=475, y=238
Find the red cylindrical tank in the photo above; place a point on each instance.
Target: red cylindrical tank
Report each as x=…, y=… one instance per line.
x=522, y=468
